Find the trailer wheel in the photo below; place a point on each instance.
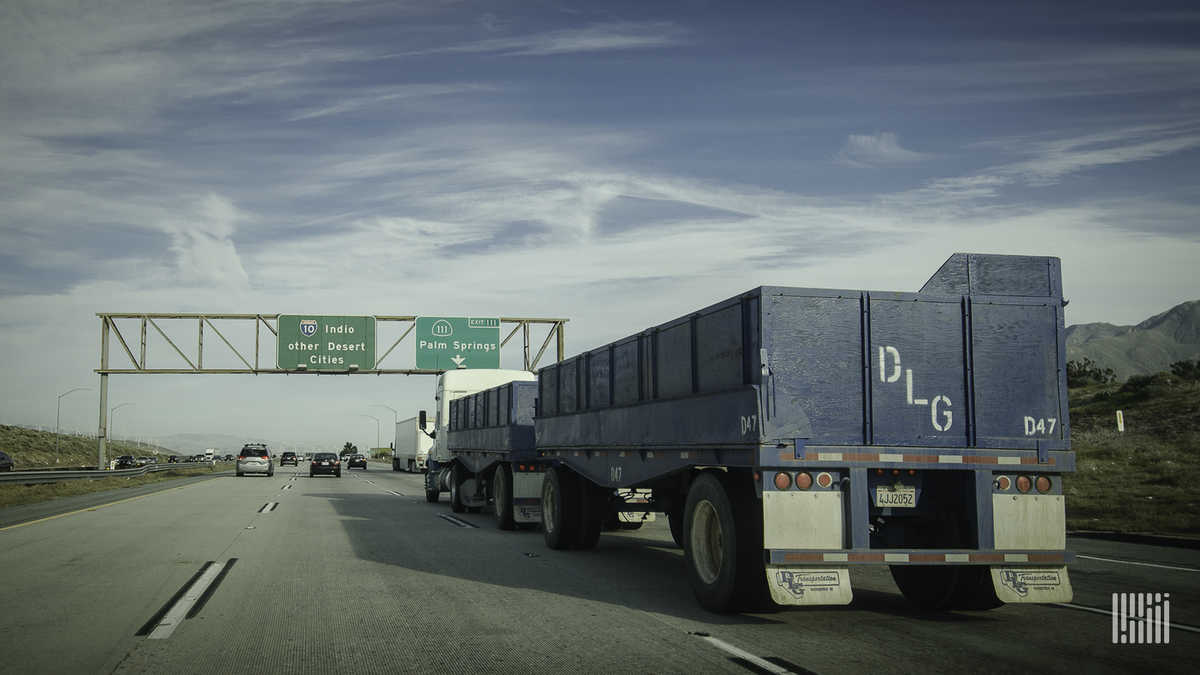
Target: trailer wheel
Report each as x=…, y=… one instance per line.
x=937, y=588
x=456, y=479
x=502, y=491
x=974, y=589
x=593, y=507
x=675, y=522
x=560, y=507
x=723, y=545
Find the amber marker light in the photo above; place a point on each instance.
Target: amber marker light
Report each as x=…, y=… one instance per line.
x=783, y=481
x=1043, y=484
x=1023, y=484
x=824, y=479
x=803, y=481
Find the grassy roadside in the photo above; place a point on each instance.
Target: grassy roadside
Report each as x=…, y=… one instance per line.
x=1144, y=479
x=15, y=494
x=33, y=449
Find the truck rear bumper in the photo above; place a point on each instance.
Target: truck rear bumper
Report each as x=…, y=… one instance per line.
x=917, y=557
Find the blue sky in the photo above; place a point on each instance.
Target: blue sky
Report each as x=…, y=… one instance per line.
x=619, y=164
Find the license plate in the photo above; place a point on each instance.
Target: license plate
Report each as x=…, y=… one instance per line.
x=896, y=497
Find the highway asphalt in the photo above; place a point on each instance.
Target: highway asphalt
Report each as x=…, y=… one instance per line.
x=359, y=574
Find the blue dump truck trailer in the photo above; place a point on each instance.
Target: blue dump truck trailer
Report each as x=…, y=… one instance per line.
x=791, y=433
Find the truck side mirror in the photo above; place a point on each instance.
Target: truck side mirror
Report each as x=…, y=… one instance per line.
x=421, y=425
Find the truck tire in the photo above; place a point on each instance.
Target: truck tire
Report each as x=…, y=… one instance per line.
x=560, y=507
x=947, y=587
x=456, y=478
x=593, y=511
x=502, y=502
x=974, y=589
x=723, y=544
x=675, y=523
x=929, y=587
x=431, y=488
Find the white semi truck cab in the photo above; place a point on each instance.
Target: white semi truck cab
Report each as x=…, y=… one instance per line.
x=444, y=465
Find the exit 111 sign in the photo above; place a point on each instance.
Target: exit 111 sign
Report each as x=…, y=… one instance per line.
x=452, y=342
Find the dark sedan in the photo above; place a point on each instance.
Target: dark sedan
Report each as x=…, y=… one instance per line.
x=325, y=462
x=126, y=462
x=357, y=462
x=6, y=462
x=289, y=458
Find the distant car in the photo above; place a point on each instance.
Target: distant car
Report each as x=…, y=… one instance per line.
x=325, y=462
x=126, y=462
x=255, y=458
x=144, y=461
x=228, y=458
x=6, y=462
x=289, y=458
x=357, y=461
x=172, y=459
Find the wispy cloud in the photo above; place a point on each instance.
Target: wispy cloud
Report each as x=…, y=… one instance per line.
x=373, y=98
x=597, y=38
x=881, y=149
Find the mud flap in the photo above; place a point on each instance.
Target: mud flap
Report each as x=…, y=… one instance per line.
x=804, y=586
x=1032, y=584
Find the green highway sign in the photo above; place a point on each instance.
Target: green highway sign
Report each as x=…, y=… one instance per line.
x=325, y=343
x=451, y=342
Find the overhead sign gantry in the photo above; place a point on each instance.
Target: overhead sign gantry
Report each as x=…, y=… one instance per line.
x=312, y=344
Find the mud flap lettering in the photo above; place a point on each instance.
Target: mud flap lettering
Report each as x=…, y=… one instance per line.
x=803, y=586
x=1032, y=584
x=528, y=514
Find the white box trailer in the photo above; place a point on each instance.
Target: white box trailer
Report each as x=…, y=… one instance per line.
x=412, y=446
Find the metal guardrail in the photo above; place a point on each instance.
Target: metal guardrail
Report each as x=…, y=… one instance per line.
x=31, y=477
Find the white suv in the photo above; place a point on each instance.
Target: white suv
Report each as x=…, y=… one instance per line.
x=255, y=458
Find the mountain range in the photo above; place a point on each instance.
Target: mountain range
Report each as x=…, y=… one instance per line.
x=1149, y=347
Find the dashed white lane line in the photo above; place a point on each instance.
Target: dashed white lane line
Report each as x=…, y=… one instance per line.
x=1139, y=564
x=765, y=665
x=179, y=610
x=1105, y=612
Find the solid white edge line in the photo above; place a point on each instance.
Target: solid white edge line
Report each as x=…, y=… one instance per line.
x=1140, y=564
x=741, y=654
x=179, y=610
x=1105, y=612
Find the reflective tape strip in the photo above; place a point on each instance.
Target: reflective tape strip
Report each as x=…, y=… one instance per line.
x=1016, y=557
x=950, y=459
x=829, y=456
x=887, y=457
x=958, y=557
x=836, y=557
x=1009, y=460
x=895, y=557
